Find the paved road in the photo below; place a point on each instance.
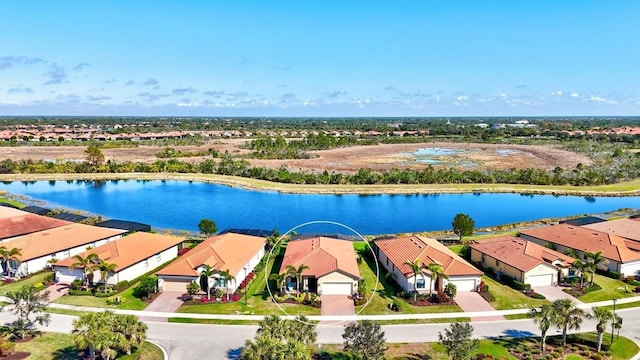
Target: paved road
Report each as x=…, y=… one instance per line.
x=188, y=341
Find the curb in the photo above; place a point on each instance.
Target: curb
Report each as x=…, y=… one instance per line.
x=165, y=355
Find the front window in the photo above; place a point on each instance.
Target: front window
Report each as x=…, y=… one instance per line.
x=221, y=282
x=420, y=283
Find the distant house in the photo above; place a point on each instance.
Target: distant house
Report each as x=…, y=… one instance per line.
x=525, y=261
x=135, y=255
x=623, y=254
x=626, y=228
x=15, y=223
x=129, y=226
x=582, y=221
x=333, y=269
x=39, y=248
x=394, y=252
x=237, y=253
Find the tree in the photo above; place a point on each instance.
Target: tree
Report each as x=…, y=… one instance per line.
x=89, y=264
x=279, y=279
x=281, y=339
x=205, y=276
x=95, y=157
x=544, y=318
x=595, y=261
x=147, y=286
x=437, y=273
x=580, y=267
x=457, y=341
x=566, y=316
x=463, y=225
x=105, y=269
x=602, y=316
x=27, y=302
x=451, y=290
x=571, y=252
x=417, y=268
x=364, y=340
x=207, y=227
x=227, y=279
x=297, y=272
x=108, y=333
x=8, y=255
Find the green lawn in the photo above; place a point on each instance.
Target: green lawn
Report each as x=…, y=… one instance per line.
x=60, y=346
x=508, y=298
x=130, y=302
x=10, y=201
x=384, y=295
x=611, y=288
x=17, y=285
x=258, y=301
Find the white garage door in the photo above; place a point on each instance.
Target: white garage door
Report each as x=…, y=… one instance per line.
x=336, y=288
x=540, y=280
x=63, y=275
x=175, y=285
x=464, y=284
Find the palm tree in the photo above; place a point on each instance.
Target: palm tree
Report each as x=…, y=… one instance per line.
x=274, y=326
x=7, y=255
x=595, y=260
x=580, y=267
x=544, y=318
x=227, y=278
x=437, y=273
x=105, y=269
x=207, y=272
x=417, y=268
x=131, y=331
x=602, y=315
x=279, y=279
x=89, y=264
x=297, y=272
x=566, y=316
x=572, y=252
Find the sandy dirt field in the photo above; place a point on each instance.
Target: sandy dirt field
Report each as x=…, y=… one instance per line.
x=348, y=160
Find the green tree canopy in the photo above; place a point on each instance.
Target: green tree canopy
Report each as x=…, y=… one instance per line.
x=29, y=301
x=95, y=157
x=463, y=225
x=457, y=341
x=207, y=227
x=364, y=340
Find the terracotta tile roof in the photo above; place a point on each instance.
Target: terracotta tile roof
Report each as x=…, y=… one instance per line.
x=26, y=223
x=58, y=239
x=626, y=228
x=428, y=250
x=8, y=212
x=229, y=251
x=323, y=255
x=613, y=247
x=130, y=249
x=519, y=253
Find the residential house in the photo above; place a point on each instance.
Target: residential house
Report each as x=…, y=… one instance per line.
x=626, y=228
x=237, y=253
x=134, y=255
x=393, y=253
x=333, y=269
x=15, y=223
x=39, y=248
x=522, y=260
x=623, y=255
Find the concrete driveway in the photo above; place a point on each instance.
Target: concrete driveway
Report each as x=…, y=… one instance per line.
x=337, y=305
x=471, y=301
x=168, y=301
x=554, y=293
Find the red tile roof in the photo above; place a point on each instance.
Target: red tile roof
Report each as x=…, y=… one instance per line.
x=626, y=228
x=130, y=249
x=613, y=247
x=323, y=255
x=27, y=223
x=519, y=253
x=429, y=251
x=229, y=251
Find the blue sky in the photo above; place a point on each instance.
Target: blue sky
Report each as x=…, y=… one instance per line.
x=320, y=58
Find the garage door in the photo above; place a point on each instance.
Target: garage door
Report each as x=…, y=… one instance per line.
x=336, y=288
x=540, y=280
x=464, y=284
x=175, y=285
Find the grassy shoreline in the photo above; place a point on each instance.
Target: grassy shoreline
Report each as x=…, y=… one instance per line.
x=628, y=188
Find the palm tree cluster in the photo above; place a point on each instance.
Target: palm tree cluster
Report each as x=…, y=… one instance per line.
x=290, y=271
x=436, y=272
x=90, y=264
x=210, y=273
x=594, y=261
x=564, y=315
x=281, y=339
x=108, y=334
x=7, y=256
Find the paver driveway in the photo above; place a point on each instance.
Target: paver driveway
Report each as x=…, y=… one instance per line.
x=57, y=290
x=470, y=301
x=337, y=305
x=554, y=293
x=168, y=301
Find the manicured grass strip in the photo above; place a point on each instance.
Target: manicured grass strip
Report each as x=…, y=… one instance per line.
x=211, y=321
x=130, y=302
x=611, y=288
x=507, y=298
x=17, y=285
x=11, y=202
x=147, y=351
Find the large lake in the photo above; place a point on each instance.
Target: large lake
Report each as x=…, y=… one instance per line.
x=181, y=205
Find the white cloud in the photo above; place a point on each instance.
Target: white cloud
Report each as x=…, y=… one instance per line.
x=574, y=95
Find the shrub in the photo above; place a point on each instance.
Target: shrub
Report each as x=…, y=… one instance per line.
x=146, y=287
x=192, y=288
x=596, y=356
x=438, y=298
x=121, y=286
x=536, y=351
x=80, y=292
x=76, y=284
x=49, y=278
x=637, y=289
x=7, y=348
x=395, y=306
x=183, y=251
x=538, y=296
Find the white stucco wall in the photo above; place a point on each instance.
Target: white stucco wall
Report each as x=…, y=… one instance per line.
x=405, y=283
x=336, y=277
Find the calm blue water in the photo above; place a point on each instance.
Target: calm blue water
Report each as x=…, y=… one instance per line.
x=181, y=205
